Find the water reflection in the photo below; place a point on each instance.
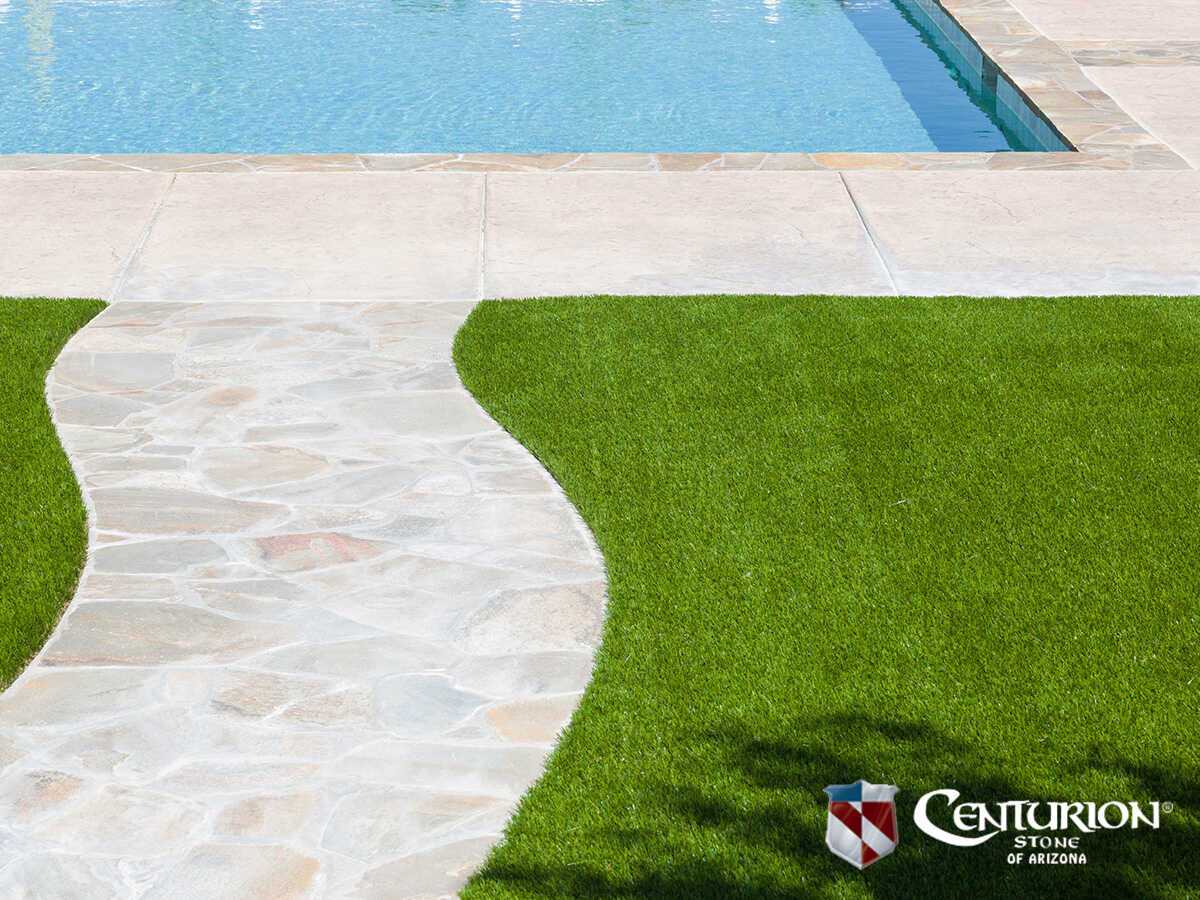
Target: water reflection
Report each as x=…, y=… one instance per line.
x=464, y=76
x=39, y=23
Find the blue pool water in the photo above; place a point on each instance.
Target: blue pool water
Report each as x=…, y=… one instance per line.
x=511, y=76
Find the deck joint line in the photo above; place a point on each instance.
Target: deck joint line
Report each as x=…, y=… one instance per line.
x=136, y=253
x=871, y=236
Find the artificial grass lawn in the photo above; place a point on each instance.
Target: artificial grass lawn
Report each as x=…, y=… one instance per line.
x=43, y=526
x=929, y=542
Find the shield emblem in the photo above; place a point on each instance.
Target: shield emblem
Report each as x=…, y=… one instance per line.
x=861, y=824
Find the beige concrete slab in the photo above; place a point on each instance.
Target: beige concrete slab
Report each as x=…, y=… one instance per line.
x=68, y=234
x=1035, y=232
x=1163, y=98
x=633, y=233
x=1115, y=20
x=298, y=236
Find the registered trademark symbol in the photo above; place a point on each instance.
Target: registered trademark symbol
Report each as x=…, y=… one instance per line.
x=1168, y=807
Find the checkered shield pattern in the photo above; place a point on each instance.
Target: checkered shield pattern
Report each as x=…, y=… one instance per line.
x=861, y=824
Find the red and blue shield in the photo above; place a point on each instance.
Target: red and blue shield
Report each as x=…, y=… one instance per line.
x=861, y=824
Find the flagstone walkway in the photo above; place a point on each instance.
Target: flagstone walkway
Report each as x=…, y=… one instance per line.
x=332, y=620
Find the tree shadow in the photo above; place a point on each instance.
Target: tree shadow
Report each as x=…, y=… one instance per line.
x=780, y=816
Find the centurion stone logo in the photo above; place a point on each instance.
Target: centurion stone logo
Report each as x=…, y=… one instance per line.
x=861, y=823
x=1045, y=832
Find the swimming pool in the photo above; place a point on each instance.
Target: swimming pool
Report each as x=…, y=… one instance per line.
x=504, y=76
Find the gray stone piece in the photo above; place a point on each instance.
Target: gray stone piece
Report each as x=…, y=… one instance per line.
x=332, y=619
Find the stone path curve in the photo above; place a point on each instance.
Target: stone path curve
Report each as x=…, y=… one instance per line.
x=332, y=620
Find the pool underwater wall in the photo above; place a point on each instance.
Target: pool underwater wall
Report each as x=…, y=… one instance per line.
x=1019, y=117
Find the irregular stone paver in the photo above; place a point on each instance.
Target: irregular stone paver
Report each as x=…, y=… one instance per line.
x=332, y=621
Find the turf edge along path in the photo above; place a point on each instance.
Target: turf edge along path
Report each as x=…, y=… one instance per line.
x=43, y=524
x=937, y=543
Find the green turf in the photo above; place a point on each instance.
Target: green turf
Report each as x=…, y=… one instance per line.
x=931, y=542
x=43, y=526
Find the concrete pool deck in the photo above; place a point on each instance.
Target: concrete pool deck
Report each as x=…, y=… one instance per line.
x=387, y=236
x=327, y=544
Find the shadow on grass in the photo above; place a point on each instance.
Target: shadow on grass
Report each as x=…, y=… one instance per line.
x=784, y=822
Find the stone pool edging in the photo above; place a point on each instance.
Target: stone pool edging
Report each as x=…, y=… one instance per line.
x=1046, y=75
x=1145, y=159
